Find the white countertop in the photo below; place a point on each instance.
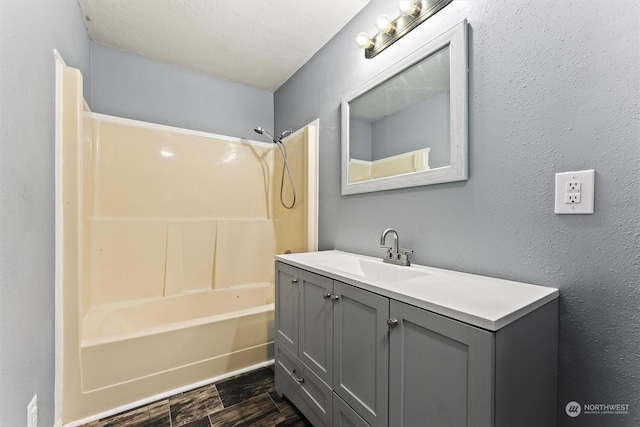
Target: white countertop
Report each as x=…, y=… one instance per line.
x=485, y=302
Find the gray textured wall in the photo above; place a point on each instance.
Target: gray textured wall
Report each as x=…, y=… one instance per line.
x=554, y=86
x=128, y=85
x=29, y=31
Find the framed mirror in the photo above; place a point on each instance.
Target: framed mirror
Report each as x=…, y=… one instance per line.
x=408, y=126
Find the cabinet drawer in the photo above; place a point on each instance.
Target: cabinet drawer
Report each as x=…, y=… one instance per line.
x=302, y=387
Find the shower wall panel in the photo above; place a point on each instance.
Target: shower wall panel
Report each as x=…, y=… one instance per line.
x=175, y=212
x=288, y=221
x=151, y=173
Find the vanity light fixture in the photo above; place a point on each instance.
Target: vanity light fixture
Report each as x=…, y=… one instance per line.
x=412, y=14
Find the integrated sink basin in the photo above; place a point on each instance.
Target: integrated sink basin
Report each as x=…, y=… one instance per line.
x=375, y=271
x=485, y=302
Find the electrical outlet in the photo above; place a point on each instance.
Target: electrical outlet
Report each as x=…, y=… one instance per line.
x=572, y=198
x=573, y=185
x=32, y=412
x=575, y=192
x=572, y=191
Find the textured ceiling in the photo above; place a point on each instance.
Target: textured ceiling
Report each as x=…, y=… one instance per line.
x=260, y=43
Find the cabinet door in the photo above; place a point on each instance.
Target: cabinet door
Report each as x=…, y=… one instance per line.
x=440, y=372
x=287, y=306
x=316, y=324
x=344, y=415
x=361, y=352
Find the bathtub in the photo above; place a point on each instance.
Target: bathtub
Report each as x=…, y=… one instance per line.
x=177, y=339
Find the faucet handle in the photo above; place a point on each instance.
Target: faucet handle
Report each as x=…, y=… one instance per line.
x=403, y=256
x=388, y=252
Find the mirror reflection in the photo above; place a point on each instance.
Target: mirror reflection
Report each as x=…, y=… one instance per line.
x=402, y=125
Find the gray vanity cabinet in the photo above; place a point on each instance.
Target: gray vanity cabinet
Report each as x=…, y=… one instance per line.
x=361, y=351
x=440, y=370
x=331, y=336
x=304, y=341
x=346, y=356
x=304, y=321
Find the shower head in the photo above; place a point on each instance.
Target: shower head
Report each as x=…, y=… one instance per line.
x=286, y=133
x=261, y=131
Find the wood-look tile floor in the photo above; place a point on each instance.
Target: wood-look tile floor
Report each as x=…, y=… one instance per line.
x=245, y=400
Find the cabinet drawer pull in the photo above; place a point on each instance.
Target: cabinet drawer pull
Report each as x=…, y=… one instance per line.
x=296, y=379
x=392, y=323
x=327, y=295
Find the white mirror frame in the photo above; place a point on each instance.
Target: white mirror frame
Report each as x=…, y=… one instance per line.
x=458, y=169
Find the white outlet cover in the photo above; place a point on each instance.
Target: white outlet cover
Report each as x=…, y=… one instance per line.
x=586, y=187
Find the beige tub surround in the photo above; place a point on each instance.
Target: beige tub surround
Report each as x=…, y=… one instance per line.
x=166, y=246
x=140, y=258
x=123, y=342
x=302, y=154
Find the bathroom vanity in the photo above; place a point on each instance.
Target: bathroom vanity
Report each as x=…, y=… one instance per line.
x=362, y=343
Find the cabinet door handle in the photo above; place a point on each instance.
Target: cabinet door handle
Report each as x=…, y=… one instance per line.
x=392, y=323
x=330, y=296
x=296, y=379
x=294, y=281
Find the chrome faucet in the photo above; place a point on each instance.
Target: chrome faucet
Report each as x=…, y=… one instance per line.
x=393, y=255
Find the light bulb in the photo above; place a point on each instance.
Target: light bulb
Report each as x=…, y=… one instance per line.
x=404, y=6
x=382, y=21
x=363, y=40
